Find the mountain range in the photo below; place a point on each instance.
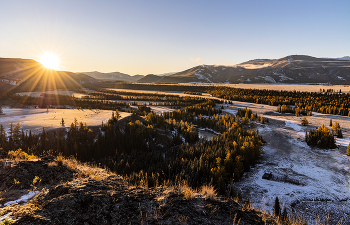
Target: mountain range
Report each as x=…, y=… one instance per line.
x=117, y=76
x=293, y=69
x=29, y=75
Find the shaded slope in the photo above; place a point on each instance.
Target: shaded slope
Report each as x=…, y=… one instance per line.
x=114, y=76
x=28, y=75
x=291, y=69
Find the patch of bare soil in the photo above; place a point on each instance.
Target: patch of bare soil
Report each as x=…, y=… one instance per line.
x=108, y=199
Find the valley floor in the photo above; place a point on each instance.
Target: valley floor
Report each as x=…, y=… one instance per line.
x=310, y=181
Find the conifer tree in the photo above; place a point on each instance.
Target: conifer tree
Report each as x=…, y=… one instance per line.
x=340, y=134
x=277, y=208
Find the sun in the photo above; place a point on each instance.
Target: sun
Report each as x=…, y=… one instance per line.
x=50, y=60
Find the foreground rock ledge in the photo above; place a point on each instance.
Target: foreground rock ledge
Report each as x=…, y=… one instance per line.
x=108, y=199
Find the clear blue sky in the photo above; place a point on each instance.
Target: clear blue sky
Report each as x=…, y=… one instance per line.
x=142, y=37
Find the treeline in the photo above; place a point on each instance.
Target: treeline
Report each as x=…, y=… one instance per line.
x=133, y=96
x=154, y=87
x=192, y=93
x=329, y=103
x=325, y=101
x=62, y=101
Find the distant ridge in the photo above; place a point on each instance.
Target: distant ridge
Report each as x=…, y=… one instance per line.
x=114, y=76
x=292, y=69
x=29, y=75
x=150, y=78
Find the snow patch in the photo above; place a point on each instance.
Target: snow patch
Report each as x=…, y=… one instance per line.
x=342, y=141
x=23, y=199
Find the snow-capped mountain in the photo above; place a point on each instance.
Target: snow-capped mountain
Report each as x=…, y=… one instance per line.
x=291, y=69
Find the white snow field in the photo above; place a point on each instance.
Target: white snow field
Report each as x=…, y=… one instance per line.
x=312, y=182
x=36, y=119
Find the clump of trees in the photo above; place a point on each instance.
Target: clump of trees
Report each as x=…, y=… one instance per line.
x=321, y=137
x=304, y=121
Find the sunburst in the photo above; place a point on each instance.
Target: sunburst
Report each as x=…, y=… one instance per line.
x=50, y=60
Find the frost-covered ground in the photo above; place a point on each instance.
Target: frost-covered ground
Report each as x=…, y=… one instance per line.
x=313, y=182
x=308, y=180
x=36, y=119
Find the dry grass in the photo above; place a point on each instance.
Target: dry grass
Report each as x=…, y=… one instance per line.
x=235, y=221
x=187, y=191
x=85, y=171
x=208, y=192
x=52, y=164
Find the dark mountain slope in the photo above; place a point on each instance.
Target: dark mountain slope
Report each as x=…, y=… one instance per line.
x=27, y=75
x=114, y=76
x=292, y=69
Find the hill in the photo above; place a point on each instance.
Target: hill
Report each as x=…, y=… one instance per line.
x=28, y=75
x=114, y=76
x=150, y=78
x=292, y=69
x=68, y=192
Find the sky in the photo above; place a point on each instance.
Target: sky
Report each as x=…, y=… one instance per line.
x=155, y=37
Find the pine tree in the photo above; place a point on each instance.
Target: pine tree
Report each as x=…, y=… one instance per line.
x=340, y=134
x=62, y=122
x=117, y=114
x=277, y=208
x=348, y=150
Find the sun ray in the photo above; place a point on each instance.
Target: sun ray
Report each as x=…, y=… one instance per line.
x=31, y=74
x=50, y=60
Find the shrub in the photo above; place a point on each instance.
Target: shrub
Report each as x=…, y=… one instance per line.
x=20, y=154
x=304, y=121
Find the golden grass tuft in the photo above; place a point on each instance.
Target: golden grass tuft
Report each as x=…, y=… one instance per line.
x=208, y=192
x=187, y=191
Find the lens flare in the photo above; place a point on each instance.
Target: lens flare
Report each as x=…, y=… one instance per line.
x=50, y=60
